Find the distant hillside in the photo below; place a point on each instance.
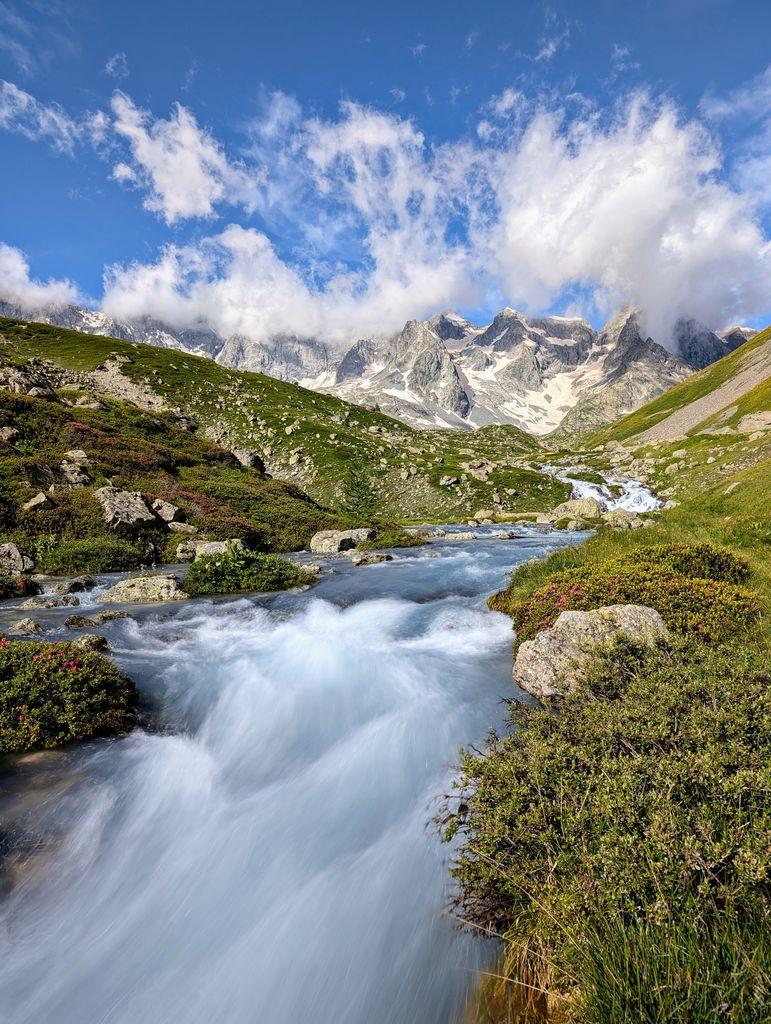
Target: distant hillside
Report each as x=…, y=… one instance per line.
x=319, y=443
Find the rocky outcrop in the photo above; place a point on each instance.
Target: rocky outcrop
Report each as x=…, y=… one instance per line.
x=144, y=590
x=76, y=468
x=330, y=542
x=124, y=511
x=557, y=660
x=13, y=561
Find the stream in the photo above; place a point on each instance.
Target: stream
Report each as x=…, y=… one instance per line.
x=262, y=853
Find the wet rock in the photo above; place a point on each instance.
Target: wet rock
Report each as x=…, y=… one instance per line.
x=79, y=622
x=13, y=561
x=123, y=511
x=144, y=590
x=91, y=642
x=312, y=568
x=49, y=601
x=370, y=558
x=25, y=627
x=462, y=535
x=109, y=617
x=330, y=542
x=74, y=586
x=555, y=662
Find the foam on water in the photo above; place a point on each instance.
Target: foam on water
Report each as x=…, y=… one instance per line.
x=265, y=857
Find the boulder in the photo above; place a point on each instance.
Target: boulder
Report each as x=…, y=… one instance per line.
x=49, y=601
x=13, y=561
x=370, y=558
x=91, y=642
x=144, y=590
x=24, y=627
x=213, y=547
x=79, y=622
x=123, y=511
x=109, y=617
x=556, y=661
x=622, y=519
x=449, y=481
x=166, y=511
x=185, y=552
x=577, y=508
x=74, y=586
x=461, y=535
x=40, y=501
x=483, y=515
x=330, y=542
x=8, y=435
x=249, y=459
x=754, y=421
x=187, y=528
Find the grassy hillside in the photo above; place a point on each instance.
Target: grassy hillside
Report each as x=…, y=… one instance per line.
x=324, y=445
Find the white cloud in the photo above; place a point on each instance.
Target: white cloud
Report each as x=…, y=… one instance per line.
x=22, y=113
x=178, y=163
x=399, y=95
x=117, y=66
x=31, y=294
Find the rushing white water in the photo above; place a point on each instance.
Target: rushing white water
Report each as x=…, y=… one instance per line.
x=629, y=494
x=263, y=855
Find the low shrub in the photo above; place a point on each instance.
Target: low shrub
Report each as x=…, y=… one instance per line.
x=622, y=843
x=16, y=586
x=702, y=560
x=392, y=537
x=94, y=554
x=54, y=693
x=709, y=608
x=237, y=571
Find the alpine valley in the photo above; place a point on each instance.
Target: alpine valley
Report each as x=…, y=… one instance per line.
x=541, y=374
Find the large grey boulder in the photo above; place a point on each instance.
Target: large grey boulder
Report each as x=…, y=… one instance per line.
x=144, y=590
x=622, y=519
x=249, y=458
x=166, y=511
x=124, y=511
x=577, y=508
x=13, y=561
x=330, y=542
x=557, y=659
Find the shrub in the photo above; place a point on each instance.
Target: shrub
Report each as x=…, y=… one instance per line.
x=637, y=812
x=392, y=537
x=53, y=693
x=709, y=608
x=239, y=571
x=16, y=586
x=95, y=554
x=701, y=560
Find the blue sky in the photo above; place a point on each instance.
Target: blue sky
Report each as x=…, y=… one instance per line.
x=335, y=168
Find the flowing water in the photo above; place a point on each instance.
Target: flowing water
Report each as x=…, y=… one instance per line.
x=616, y=492
x=262, y=853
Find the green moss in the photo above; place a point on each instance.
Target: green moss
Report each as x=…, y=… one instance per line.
x=54, y=693
x=241, y=572
x=93, y=554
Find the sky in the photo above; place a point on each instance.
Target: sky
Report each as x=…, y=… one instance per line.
x=332, y=170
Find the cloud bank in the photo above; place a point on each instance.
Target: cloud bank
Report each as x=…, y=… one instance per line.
x=345, y=227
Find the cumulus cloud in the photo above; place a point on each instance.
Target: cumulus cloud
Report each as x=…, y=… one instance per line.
x=23, y=290
x=179, y=164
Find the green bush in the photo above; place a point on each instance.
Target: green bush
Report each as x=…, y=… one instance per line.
x=95, y=554
x=53, y=693
x=702, y=560
x=709, y=608
x=16, y=586
x=593, y=839
x=240, y=572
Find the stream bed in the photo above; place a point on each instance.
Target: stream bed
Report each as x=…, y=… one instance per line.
x=262, y=852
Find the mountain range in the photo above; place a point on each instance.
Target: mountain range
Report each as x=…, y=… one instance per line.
x=538, y=373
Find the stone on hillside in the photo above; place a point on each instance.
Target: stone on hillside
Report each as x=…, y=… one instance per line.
x=166, y=511
x=370, y=558
x=577, y=508
x=556, y=661
x=13, y=561
x=24, y=627
x=185, y=552
x=183, y=528
x=330, y=542
x=483, y=514
x=76, y=468
x=88, y=402
x=250, y=459
x=448, y=481
x=621, y=519
x=79, y=622
x=670, y=503
x=123, y=511
x=49, y=601
x=754, y=421
x=40, y=501
x=8, y=435
x=91, y=642
x=144, y=590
